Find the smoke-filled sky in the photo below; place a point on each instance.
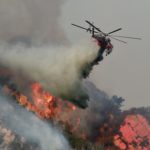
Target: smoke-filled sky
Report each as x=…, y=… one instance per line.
x=126, y=71
x=33, y=20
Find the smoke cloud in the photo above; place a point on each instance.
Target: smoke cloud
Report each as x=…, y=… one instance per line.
x=27, y=125
x=102, y=110
x=58, y=69
x=32, y=21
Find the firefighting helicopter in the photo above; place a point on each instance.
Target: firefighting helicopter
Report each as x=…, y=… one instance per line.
x=103, y=39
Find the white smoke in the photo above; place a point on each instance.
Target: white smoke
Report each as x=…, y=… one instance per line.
x=27, y=125
x=58, y=69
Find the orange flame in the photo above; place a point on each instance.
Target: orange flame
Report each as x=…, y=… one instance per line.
x=135, y=134
x=44, y=104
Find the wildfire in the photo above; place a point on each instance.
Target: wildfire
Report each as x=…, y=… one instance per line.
x=134, y=134
x=44, y=104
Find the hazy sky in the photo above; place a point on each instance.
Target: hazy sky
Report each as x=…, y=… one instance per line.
x=126, y=72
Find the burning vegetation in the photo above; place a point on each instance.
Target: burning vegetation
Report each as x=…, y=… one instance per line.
x=103, y=125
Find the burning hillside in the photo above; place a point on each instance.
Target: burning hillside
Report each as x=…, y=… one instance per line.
x=93, y=128
x=134, y=133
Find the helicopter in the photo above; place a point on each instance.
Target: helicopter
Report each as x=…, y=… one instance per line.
x=103, y=39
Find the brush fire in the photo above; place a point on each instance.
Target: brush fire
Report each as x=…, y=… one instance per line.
x=101, y=126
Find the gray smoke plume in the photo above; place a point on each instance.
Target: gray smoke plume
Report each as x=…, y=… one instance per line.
x=27, y=125
x=58, y=69
x=31, y=21
x=101, y=110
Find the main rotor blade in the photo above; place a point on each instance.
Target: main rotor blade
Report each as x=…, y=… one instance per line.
x=118, y=40
x=114, y=31
x=83, y=28
x=79, y=26
x=128, y=37
x=95, y=27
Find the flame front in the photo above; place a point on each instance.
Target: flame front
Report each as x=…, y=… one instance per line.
x=134, y=134
x=44, y=104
